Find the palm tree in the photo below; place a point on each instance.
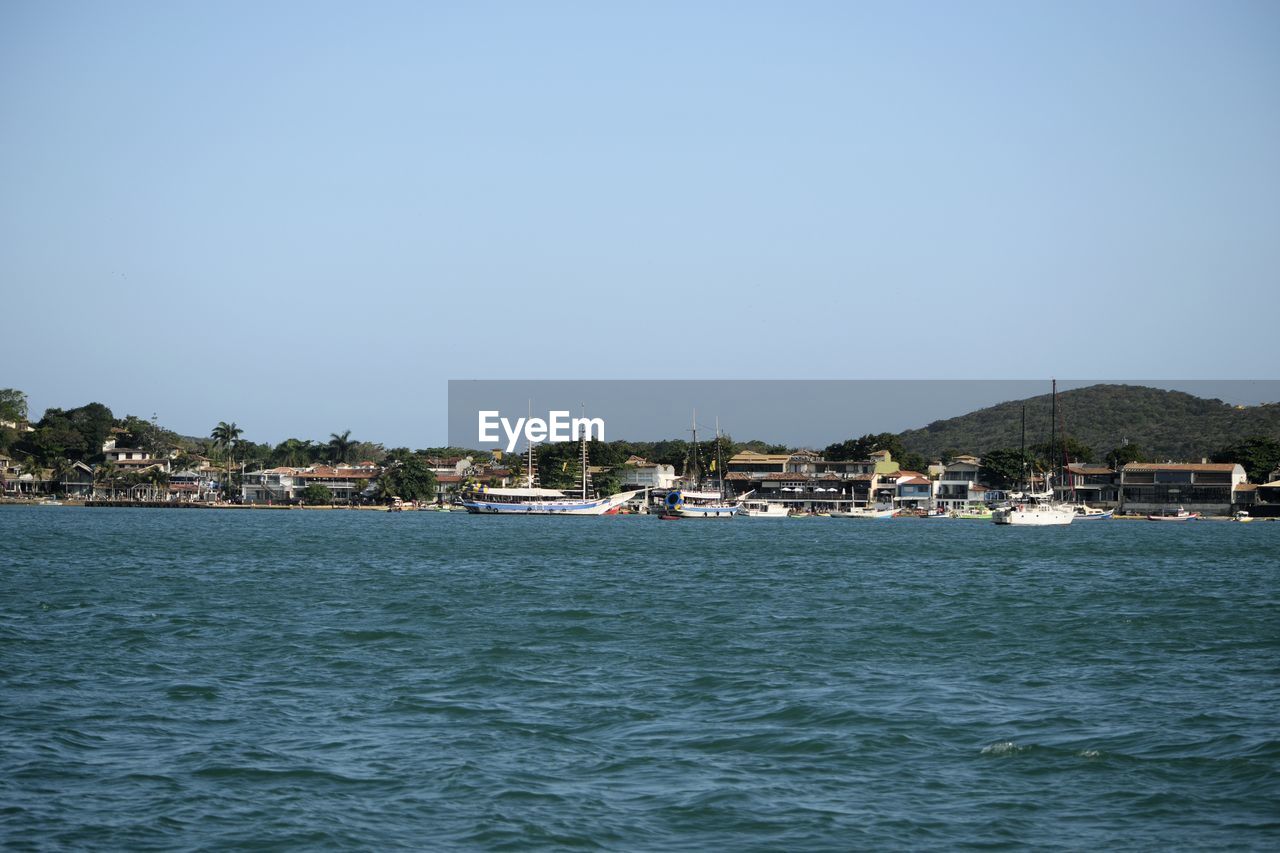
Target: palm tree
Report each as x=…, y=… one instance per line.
x=340, y=445
x=225, y=437
x=106, y=473
x=32, y=466
x=62, y=471
x=158, y=478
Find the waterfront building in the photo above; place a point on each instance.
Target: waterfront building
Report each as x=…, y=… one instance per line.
x=913, y=491
x=638, y=473
x=284, y=484
x=1266, y=500
x=958, y=488
x=1209, y=488
x=131, y=458
x=447, y=465
x=1093, y=484
x=78, y=481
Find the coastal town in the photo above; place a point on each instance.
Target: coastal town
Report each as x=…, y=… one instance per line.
x=87, y=456
x=802, y=482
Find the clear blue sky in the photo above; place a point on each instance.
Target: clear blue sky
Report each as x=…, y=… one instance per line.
x=306, y=217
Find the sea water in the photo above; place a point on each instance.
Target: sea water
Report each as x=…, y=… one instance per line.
x=359, y=680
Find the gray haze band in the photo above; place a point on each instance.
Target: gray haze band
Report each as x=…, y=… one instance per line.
x=798, y=413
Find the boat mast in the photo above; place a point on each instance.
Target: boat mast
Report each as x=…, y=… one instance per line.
x=529, y=475
x=697, y=463
x=719, y=460
x=1064, y=460
x=584, y=453
x=1022, y=454
x=1053, y=434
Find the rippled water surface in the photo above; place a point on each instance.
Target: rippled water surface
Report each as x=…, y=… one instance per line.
x=367, y=680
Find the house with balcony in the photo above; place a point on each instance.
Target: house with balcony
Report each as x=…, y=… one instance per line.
x=638, y=473
x=1095, y=485
x=284, y=484
x=78, y=481
x=1207, y=487
x=913, y=490
x=958, y=489
x=131, y=458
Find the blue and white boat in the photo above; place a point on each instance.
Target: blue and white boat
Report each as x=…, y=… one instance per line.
x=697, y=502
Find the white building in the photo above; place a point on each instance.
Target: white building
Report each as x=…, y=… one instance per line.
x=638, y=473
x=957, y=489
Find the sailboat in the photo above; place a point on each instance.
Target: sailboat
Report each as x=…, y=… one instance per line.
x=699, y=502
x=1038, y=509
x=532, y=499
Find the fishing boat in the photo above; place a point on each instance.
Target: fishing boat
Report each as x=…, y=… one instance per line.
x=698, y=502
x=1084, y=512
x=973, y=513
x=1180, y=515
x=532, y=499
x=1241, y=516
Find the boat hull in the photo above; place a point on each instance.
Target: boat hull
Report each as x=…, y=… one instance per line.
x=872, y=514
x=722, y=512
x=595, y=506
x=1033, y=516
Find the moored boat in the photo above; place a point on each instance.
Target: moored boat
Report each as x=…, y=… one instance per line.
x=532, y=499
x=1180, y=515
x=761, y=508
x=870, y=513
x=698, y=503
x=1084, y=512
x=1030, y=509
x=1033, y=514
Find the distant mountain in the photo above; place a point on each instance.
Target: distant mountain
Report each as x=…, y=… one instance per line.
x=1165, y=424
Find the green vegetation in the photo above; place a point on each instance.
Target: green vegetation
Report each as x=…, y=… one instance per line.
x=315, y=495
x=1154, y=423
x=1258, y=454
x=405, y=475
x=855, y=449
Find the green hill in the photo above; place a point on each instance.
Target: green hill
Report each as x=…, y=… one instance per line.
x=1164, y=424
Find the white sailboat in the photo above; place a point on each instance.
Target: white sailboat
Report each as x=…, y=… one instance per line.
x=532, y=499
x=1036, y=509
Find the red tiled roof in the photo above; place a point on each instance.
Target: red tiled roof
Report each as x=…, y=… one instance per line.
x=914, y=481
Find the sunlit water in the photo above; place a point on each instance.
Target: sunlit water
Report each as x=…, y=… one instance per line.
x=419, y=680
